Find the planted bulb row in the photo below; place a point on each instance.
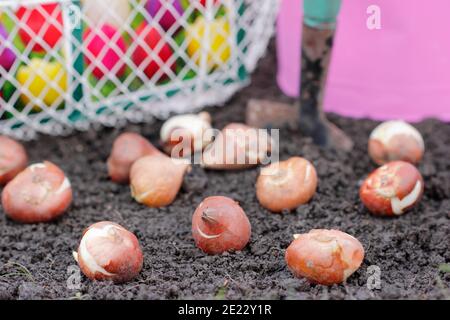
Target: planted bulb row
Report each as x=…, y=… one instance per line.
x=107, y=251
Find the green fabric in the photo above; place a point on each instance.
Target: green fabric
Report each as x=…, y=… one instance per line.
x=319, y=13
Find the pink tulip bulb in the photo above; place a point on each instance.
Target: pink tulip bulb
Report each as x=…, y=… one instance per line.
x=105, y=49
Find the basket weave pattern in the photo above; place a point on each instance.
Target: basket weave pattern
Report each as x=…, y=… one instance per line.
x=66, y=65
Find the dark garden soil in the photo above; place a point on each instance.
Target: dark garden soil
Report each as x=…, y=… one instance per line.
x=408, y=250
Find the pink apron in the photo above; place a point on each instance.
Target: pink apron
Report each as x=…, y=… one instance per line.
x=400, y=71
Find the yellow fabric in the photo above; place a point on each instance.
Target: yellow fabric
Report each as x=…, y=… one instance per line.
x=42, y=80
x=219, y=50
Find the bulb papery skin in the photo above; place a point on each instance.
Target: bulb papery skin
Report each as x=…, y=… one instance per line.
x=286, y=185
x=40, y=193
x=13, y=159
x=396, y=140
x=186, y=134
x=108, y=251
x=392, y=189
x=219, y=225
x=127, y=149
x=155, y=180
x=323, y=256
x=237, y=147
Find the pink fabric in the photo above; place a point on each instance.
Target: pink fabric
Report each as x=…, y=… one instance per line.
x=401, y=71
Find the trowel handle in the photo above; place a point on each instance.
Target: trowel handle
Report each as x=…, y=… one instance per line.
x=321, y=14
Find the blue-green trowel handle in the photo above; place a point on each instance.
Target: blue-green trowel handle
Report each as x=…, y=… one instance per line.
x=321, y=13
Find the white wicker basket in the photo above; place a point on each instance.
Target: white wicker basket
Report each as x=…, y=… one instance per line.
x=68, y=64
